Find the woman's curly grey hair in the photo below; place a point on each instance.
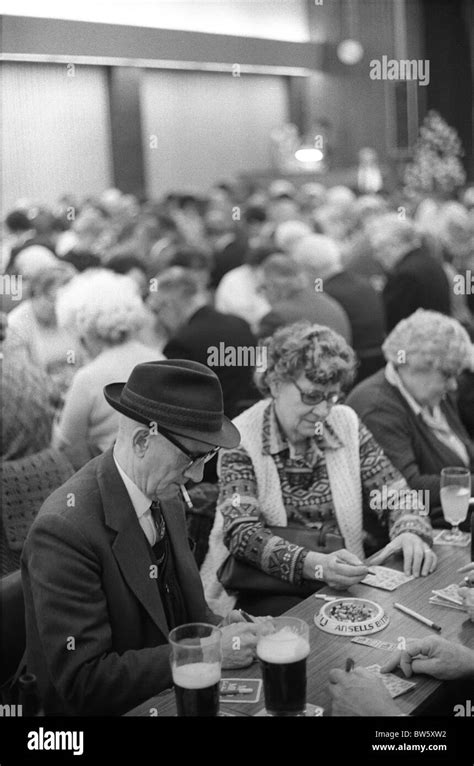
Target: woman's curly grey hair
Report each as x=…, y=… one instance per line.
x=315, y=350
x=101, y=304
x=428, y=339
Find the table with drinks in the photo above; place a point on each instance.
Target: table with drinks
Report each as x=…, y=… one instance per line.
x=297, y=650
x=328, y=651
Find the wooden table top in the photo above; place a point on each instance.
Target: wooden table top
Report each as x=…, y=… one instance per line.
x=329, y=651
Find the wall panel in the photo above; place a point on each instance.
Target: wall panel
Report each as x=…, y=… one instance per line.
x=55, y=131
x=202, y=127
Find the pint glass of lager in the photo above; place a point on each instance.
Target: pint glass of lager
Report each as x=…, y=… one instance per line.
x=282, y=656
x=196, y=657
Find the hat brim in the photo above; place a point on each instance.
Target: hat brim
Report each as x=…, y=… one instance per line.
x=228, y=436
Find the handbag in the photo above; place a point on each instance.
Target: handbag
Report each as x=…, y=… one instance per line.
x=235, y=574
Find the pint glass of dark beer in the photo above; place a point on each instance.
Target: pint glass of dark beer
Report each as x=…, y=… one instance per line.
x=282, y=654
x=196, y=657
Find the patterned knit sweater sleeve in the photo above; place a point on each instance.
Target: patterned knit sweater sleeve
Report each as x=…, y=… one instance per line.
x=394, y=507
x=246, y=534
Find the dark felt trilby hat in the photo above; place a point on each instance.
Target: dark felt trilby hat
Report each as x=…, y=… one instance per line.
x=182, y=396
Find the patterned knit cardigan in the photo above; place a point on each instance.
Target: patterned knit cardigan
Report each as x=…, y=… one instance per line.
x=343, y=466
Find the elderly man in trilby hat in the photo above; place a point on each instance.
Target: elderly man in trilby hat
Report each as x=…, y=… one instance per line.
x=107, y=569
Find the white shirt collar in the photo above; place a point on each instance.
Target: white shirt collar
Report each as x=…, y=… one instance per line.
x=140, y=502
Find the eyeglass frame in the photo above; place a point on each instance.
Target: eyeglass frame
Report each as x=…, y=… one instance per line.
x=193, y=459
x=333, y=399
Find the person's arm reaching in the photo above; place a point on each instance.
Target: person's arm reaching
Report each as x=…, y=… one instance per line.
x=434, y=656
x=249, y=539
x=359, y=693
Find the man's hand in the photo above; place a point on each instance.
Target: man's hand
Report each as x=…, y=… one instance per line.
x=435, y=657
x=264, y=624
x=359, y=693
x=418, y=558
x=234, y=616
x=239, y=642
x=339, y=570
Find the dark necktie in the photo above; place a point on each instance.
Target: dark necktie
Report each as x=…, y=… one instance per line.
x=158, y=520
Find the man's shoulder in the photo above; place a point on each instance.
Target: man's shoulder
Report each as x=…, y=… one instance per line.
x=296, y=306
x=215, y=323
x=78, y=499
x=326, y=302
x=351, y=283
x=419, y=261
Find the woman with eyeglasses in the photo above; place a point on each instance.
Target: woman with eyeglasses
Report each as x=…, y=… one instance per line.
x=307, y=459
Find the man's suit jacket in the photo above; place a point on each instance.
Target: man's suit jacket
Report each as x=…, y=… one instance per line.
x=208, y=328
x=96, y=627
x=417, y=282
x=362, y=305
x=230, y=257
x=317, y=308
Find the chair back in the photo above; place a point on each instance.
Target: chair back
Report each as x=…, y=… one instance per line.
x=12, y=624
x=26, y=483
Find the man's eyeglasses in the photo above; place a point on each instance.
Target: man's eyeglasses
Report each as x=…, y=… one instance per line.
x=316, y=397
x=194, y=460
x=449, y=375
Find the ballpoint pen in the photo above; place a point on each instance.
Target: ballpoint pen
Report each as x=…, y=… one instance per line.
x=247, y=617
x=360, y=563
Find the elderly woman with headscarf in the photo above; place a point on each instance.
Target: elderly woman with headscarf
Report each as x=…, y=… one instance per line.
x=105, y=312
x=410, y=405
x=306, y=459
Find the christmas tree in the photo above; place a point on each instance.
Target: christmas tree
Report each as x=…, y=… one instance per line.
x=436, y=167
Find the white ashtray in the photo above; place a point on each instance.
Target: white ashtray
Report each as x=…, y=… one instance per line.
x=351, y=617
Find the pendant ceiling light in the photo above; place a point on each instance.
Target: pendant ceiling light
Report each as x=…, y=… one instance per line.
x=350, y=51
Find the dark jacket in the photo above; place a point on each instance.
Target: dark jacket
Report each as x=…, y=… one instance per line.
x=95, y=623
x=466, y=402
x=230, y=257
x=405, y=438
x=205, y=330
x=306, y=304
x=365, y=309
x=417, y=282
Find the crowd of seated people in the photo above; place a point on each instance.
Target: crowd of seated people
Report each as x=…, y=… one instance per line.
x=110, y=281
x=342, y=350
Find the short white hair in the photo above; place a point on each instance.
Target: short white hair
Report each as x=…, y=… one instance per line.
x=403, y=230
x=318, y=255
x=428, y=339
x=340, y=195
x=101, y=304
x=288, y=233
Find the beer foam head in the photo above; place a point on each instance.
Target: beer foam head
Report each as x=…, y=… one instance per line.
x=283, y=646
x=196, y=675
